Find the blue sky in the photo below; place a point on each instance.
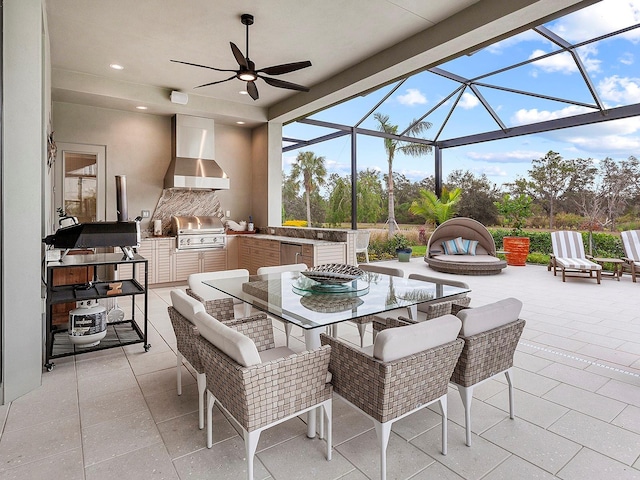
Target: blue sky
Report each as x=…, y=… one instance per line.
x=613, y=65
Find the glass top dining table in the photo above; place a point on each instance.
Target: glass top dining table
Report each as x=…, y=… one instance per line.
x=311, y=305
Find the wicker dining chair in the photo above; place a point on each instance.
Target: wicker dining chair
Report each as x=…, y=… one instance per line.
x=293, y=267
x=362, y=322
x=182, y=313
x=491, y=334
x=209, y=296
x=257, y=384
x=407, y=368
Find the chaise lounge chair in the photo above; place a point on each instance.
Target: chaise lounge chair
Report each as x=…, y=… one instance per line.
x=568, y=256
x=631, y=244
x=478, y=259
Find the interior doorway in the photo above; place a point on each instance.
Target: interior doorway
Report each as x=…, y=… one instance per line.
x=80, y=188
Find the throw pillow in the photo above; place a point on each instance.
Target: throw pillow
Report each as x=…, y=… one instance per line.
x=471, y=247
x=454, y=247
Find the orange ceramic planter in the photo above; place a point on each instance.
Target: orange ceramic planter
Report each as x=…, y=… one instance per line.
x=518, y=248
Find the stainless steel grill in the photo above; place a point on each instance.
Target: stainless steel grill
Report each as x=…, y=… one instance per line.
x=198, y=232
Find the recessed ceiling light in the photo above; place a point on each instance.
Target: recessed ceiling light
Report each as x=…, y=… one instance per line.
x=141, y=107
x=115, y=66
x=243, y=92
x=240, y=122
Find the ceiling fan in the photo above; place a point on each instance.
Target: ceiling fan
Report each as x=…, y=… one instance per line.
x=247, y=69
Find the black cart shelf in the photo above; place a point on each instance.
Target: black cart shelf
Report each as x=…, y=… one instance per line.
x=119, y=333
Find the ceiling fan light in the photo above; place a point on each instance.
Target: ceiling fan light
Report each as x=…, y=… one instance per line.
x=247, y=76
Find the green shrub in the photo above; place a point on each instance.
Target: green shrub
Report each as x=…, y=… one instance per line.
x=604, y=244
x=538, y=258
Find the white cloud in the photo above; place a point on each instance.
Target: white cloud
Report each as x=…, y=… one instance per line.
x=412, y=97
x=621, y=90
x=288, y=160
x=565, y=63
x=492, y=171
x=468, y=101
x=606, y=144
x=514, y=156
x=599, y=19
x=525, y=117
x=615, y=135
x=627, y=58
x=525, y=36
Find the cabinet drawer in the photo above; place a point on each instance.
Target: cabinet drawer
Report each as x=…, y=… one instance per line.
x=307, y=250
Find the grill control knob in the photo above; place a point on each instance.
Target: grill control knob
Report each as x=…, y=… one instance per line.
x=188, y=241
x=202, y=240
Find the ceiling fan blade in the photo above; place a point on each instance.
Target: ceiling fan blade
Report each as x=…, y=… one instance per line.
x=252, y=90
x=285, y=68
x=219, y=81
x=274, y=82
x=203, y=66
x=238, y=54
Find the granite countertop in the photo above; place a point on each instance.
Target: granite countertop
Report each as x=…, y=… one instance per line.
x=294, y=240
x=150, y=236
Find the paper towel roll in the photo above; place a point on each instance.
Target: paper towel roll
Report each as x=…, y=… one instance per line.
x=157, y=227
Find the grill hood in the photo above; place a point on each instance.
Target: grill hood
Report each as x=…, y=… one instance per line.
x=192, y=162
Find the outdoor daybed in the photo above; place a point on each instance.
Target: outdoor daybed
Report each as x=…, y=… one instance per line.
x=448, y=259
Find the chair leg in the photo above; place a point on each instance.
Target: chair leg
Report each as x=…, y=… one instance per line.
x=287, y=331
x=179, y=372
x=247, y=309
x=383, y=432
x=362, y=328
x=509, y=374
x=366, y=255
x=319, y=411
x=251, y=444
x=443, y=410
x=210, y=402
x=327, y=408
x=202, y=386
x=598, y=276
x=466, y=394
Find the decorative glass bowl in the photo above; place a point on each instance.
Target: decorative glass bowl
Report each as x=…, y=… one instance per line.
x=333, y=273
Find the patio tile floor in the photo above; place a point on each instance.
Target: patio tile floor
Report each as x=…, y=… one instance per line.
x=115, y=413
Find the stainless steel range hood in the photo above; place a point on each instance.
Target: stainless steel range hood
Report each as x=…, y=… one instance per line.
x=193, y=150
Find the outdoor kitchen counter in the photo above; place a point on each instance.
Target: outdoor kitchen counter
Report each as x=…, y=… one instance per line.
x=294, y=240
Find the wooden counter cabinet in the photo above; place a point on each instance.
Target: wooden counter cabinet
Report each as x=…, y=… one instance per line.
x=119, y=332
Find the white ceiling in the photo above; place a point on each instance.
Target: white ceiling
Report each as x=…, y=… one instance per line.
x=353, y=45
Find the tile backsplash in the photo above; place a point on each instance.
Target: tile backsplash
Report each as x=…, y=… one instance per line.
x=184, y=202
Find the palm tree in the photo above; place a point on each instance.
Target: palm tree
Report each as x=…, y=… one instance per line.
x=391, y=146
x=436, y=209
x=312, y=171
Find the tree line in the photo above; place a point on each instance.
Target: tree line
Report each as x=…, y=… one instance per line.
x=598, y=194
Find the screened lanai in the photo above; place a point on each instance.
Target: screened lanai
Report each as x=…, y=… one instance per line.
x=497, y=108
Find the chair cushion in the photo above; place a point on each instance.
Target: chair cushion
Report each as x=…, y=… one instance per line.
x=488, y=317
x=478, y=258
x=185, y=305
x=233, y=343
x=394, y=343
x=209, y=293
x=577, y=263
x=275, y=353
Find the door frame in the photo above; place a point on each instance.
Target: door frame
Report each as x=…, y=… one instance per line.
x=100, y=151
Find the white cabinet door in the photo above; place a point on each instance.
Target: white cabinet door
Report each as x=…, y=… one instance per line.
x=186, y=264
